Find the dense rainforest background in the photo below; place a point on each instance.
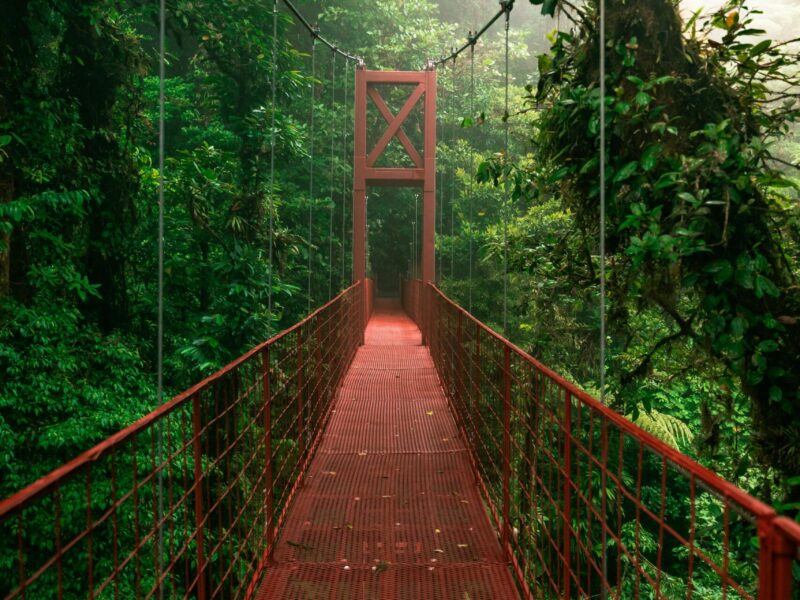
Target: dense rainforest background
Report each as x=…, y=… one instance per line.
x=703, y=213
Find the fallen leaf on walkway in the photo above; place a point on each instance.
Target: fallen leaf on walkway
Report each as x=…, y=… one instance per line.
x=463, y=545
x=299, y=545
x=381, y=567
x=429, y=413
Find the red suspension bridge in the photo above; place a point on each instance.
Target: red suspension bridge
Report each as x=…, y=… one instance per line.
x=402, y=452
x=344, y=459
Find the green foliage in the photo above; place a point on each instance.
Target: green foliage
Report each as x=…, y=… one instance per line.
x=694, y=195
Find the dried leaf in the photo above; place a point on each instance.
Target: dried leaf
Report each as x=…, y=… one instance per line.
x=381, y=567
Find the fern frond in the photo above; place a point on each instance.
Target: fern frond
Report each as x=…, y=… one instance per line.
x=667, y=428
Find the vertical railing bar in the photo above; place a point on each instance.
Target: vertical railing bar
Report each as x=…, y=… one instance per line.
x=459, y=366
x=21, y=554
x=138, y=563
x=567, y=550
x=199, y=516
x=300, y=407
x=692, y=533
x=506, y=450
x=89, y=534
x=60, y=567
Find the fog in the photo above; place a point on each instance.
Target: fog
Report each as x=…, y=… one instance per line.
x=780, y=18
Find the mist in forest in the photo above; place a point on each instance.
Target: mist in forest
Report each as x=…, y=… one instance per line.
x=779, y=18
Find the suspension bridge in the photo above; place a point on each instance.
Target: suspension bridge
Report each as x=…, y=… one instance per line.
x=390, y=448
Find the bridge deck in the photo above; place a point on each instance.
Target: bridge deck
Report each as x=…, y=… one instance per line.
x=389, y=507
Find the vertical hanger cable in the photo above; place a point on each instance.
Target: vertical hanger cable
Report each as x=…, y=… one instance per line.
x=160, y=332
x=505, y=187
x=345, y=125
x=310, y=244
x=471, y=162
x=272, y=155
x=602, y=236
x=332, y=184
x=453, y=144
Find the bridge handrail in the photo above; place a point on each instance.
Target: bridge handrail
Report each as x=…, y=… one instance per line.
x=258, y=419
x=456, y=338
x=711, y=479
x=44, y=484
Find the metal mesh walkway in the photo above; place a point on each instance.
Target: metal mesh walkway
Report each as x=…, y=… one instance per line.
x=389, y=506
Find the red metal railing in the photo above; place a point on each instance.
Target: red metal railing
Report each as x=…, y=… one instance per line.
x=588, y=505
x=186, y=502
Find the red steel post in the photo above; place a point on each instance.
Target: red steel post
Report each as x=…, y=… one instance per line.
x=782, y=576
x=478, y=374
x=318, y=390
x=567, y=492
x=429, y=200
x=507, y=449
x=199, y=515
x=777, y=554
x=460, y=369
x=268, y=507
x=766, y=535
x=423, y=174
x=301, y=433
x=429, y=189
x=359, y=179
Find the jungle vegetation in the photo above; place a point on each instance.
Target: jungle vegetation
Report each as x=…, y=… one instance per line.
x=702, y=234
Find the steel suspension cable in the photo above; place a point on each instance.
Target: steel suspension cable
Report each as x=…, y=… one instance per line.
x=453, y=142
x=311, y=165
x=602, y=235
x=507, y=6
x=162, y=13
x=471, y=164
x=314, y=31
x=333, y=201
x=272, y=154
x=602, y=203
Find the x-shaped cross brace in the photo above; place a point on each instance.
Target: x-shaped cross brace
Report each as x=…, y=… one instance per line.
x=395, y=126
